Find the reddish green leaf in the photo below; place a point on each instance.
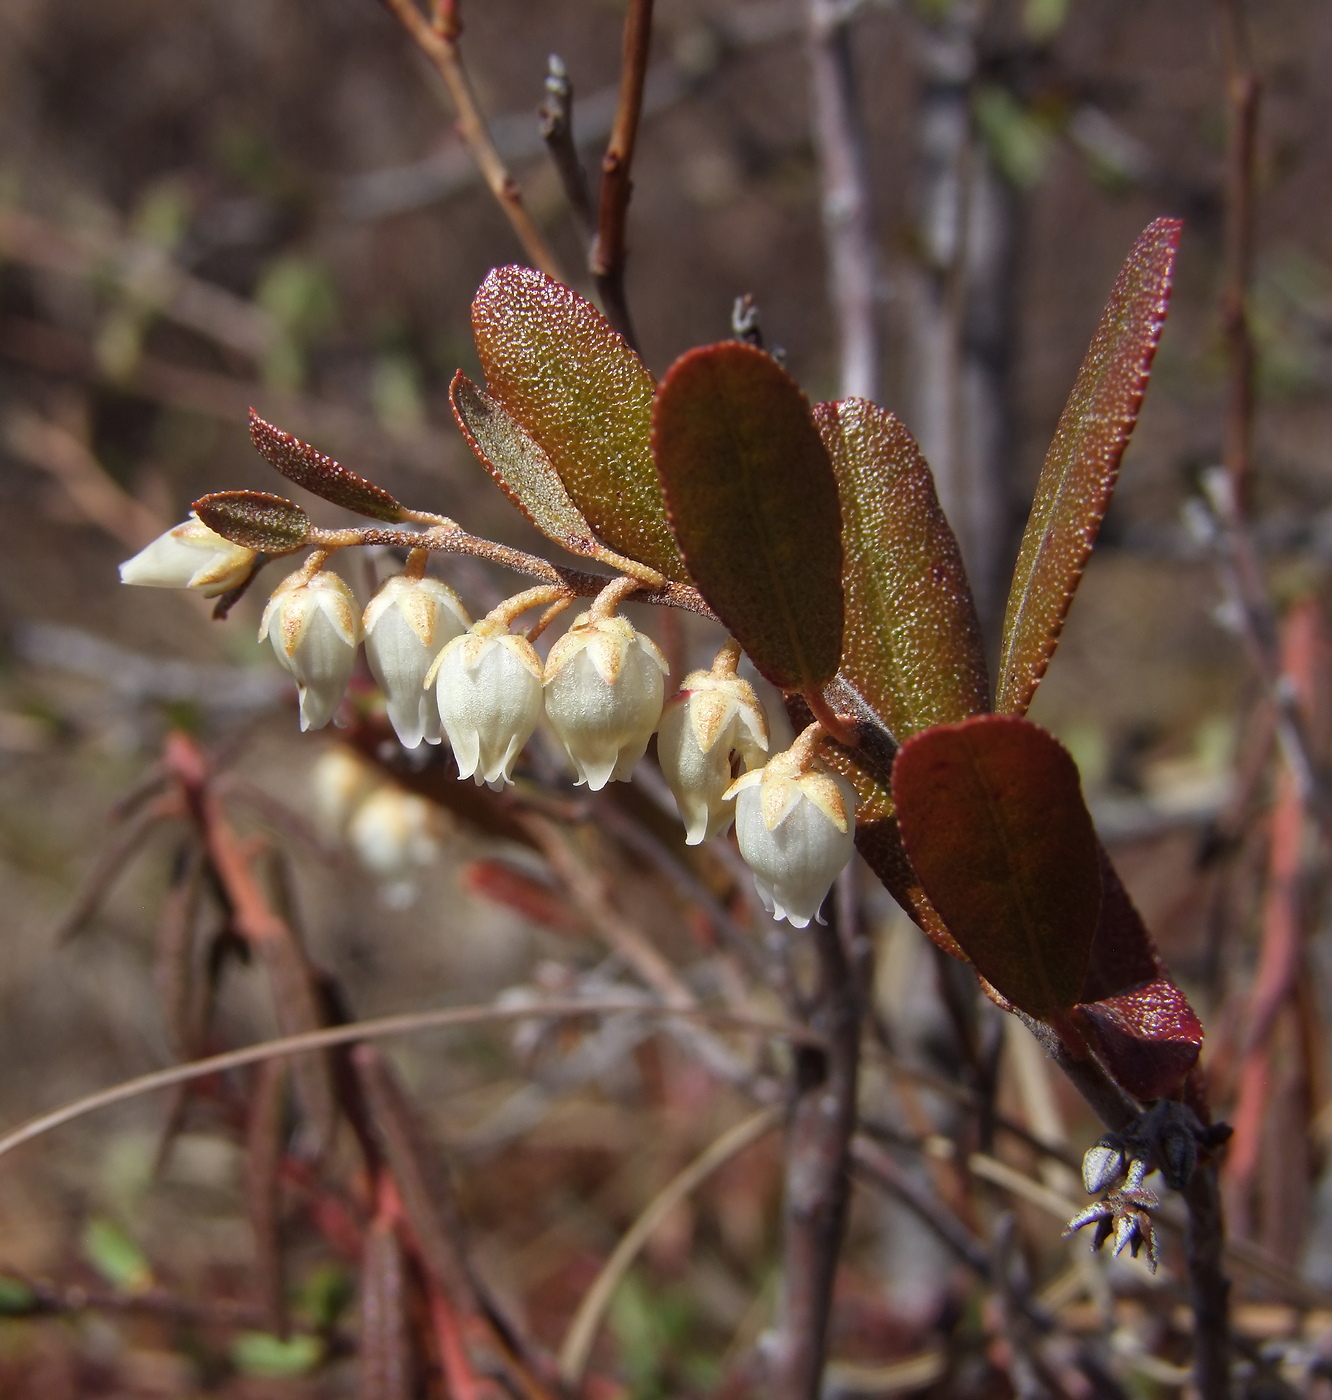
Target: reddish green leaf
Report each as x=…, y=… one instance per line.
x=993, y=821
x=1082, y=464
x=308, y=467
x=523, y=471
x=254, y=519
x=575, y=385
x=753, y=505
x=913, y=648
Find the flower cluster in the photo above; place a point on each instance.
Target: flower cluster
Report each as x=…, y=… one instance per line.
x=483, y=686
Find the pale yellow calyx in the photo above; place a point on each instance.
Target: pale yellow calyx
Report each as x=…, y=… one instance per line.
x=783, y=784
x=607, y=642
x=714, y=701
x=295, y=603
x=473, y=645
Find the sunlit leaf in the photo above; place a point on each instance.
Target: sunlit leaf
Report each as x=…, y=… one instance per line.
x=119, y=1260
x=913, y=648
x=262, y=1354
x=520, y=466
x=993, y=821
x=578, y=389
x=308, y=467
x=254, y=519
x=1082, y=464
x=753, y=504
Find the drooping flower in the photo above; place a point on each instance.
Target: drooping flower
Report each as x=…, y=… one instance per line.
x=189, y=555
x=714, y=715
x=795, y=824
x=394, y=835
x=340, y=780
x=314, y=626
x=406, y=625
x=488, y=688
x=604, y=690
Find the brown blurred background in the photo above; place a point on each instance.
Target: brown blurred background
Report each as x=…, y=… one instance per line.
x=211, y=203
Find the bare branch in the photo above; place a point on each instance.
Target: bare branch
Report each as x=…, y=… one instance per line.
x=608, y=251
x=439, y=42
x=557, y=132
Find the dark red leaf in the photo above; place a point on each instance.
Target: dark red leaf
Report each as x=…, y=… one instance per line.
x=993, y=822
x=1082, y=464
x=753, y=505
x=308, y=467
x=913, y=649
x=254, y=519
x=1148, y=1038
x=555, y=363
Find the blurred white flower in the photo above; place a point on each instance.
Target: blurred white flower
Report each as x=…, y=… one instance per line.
x=406, y=625
x=604, y=692
x=488, y=688
x=712, y=717
x=394, y=836
x=189, y=555
x=314, y=626
x=339, y=780
x=796, y=831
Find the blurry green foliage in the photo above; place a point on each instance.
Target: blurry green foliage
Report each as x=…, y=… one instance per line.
x=298, y=293
x=262, y=1354
x=108, y=1247
x=1019, y=140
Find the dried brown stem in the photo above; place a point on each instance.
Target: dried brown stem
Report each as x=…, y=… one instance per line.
x=607, y=258
x=1209, y=1288
x=439, y=43
x=822, y=1121
x=1243, y=97
x=844, y=197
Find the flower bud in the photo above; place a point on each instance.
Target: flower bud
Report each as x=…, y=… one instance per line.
x=488, y=686
x=407, y=624
x=710, y=718
x=796, y=832
x=394, y=836
x=189, y=556
x=314, y=626
x=604, y=690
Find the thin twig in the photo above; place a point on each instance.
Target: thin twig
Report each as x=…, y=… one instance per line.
x=557, y=132
x=844, y=196
x=823, y=1118
x=1243, y=95
x=607, y=258
x=378, y=1029
x=587, y=1321
x=439, y=43
x=1209, y=1288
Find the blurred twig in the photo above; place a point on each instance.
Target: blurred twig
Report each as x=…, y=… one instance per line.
x=557, y=132
x=607, y=259
x=844, y=189
x=587, y=1321
x=438, y=40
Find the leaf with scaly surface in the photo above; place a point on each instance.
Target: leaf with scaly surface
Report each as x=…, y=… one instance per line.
x=753, y=505
x=308, y=467
x=523, y=471
x=913, y=648
x=993, y=821
x=254, y=519
x=1082, y=464
x=575, y=385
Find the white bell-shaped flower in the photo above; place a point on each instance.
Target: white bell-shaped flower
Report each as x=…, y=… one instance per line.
x=713, y=717
x=340, y=780
x=604, y=690
x=488, y=688
x=407, y=624
x=796, y=831
x=189, y=555
x=395, y=836
x=314, y=626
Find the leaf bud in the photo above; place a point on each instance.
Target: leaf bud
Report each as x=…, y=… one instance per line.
x=189, y=555
x=604, y=689
x=406, y=625
x=488, y=688
x=1102, y=1165
x=796, y=828
x=314, y=626
x=711, y=717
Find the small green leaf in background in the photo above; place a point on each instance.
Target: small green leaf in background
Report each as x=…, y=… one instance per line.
x=262, y=1354
x=111, y=1251
x=1020, y=141
x=521, y=468
x=16, y=1298
x=254, y=519
x=753, y=505
x=1082, y=465
x=573, y=382
x=299, y=296
x=913, y=648
x=321, y=475
x=993, y=821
